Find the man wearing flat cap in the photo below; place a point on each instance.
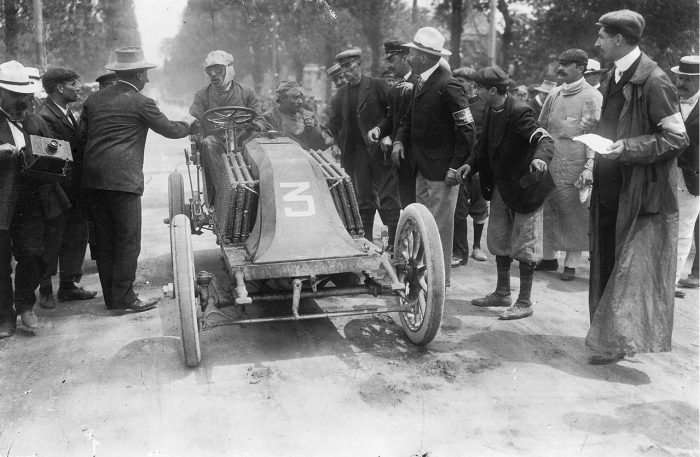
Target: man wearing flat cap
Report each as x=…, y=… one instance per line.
x=634, y=208
x=290, y=117
x=565, y=223
x=222, y=90
x=114, y=124
x=25, y=204
x=440, y=129
x=687, y=74
x=400, y=96
x=67, y=235
x=364, y=103
x=512, y=158
x=470, y=202
x=106, y=79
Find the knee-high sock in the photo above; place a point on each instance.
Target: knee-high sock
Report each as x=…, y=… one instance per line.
x=503, y=270
x=527, y=273
x=478, y=230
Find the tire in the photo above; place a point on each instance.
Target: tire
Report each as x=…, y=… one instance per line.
x=418, y=243
x=184, y=285
x=176, y=195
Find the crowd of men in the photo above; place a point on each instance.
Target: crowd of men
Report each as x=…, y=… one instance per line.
x=451, y=139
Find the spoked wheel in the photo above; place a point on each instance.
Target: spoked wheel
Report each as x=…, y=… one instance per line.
x=184, y=281
x=418, y=243
x=176, y=195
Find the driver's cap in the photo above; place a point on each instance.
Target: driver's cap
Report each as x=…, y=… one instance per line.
x=218, y=58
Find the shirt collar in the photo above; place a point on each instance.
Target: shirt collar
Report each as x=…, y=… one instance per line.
x=574, y=85
x=692, y=100
x=63, y=110
x=128, y=83
x=427, y=73
x=623, y=63
x=407, y=75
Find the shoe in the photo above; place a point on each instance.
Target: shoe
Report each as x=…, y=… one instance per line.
x=457, y=261
x=47, y=301
x=569, y=274
x=75, y=294
x=679, y=294
x=478, y=254
x=691, y=282
x=519, y=310
x=7, y=329
x=603, y=359
x=29, y=319
x=547, y=265
x=492, y=299
x=139, y=306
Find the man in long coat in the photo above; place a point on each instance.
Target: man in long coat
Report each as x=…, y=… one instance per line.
x=565, y=217
x=634, y=210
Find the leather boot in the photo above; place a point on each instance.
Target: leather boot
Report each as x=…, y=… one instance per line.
x=501, y=297
x=367, y=217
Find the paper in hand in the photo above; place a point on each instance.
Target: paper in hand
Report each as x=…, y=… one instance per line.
x=596, y=142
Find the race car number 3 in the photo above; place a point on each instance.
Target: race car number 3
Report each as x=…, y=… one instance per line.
x=304, y=205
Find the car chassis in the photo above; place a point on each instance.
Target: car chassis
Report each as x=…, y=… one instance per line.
x=288, y=226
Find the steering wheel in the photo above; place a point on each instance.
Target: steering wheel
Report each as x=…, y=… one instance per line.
x=218, y=118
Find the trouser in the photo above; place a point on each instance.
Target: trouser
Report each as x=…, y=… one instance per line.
x=212, y=147
x=688, y=210
x=377, y=188
x=470, y=202
x=24, y=240
x=407, y=183
x=117, y=217
x=65, y=242
x=512, y=234
x=441, y=200
x=695, y=269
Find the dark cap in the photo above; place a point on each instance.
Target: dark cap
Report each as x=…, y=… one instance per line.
x=288, y=88
x=491, y=77
x=55, y=76
x=629, y=23
x=394, y=47
x=348, y=56
x=577, y=56
x=463, y=72
x=106, y=78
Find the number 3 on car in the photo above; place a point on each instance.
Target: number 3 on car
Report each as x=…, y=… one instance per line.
x=307, y=209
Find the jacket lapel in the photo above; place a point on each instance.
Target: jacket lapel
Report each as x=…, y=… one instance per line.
x=60, y=116
x=431, y=80
x=363, y=92
x=693, y=116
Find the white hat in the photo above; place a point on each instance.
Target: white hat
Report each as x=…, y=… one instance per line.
x=689, y=65
x=34, y=75
x=13, y=77
x=218, y=58
x=429, y=40
x=592, y=67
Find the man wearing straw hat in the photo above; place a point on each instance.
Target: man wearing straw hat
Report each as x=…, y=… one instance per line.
x=115, y=122
x=688, y=84
x=542, y=90
x=593, y=73
x=24, y=204
x=440, y=129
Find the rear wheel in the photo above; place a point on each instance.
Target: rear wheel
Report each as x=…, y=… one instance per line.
x=418, y=245
x=176, y=195
x=184, y=284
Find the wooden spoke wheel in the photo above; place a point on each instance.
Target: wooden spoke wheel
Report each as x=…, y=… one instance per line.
x=418, y=245
x=176, y=195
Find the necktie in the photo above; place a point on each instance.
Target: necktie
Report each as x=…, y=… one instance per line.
x=72, y=118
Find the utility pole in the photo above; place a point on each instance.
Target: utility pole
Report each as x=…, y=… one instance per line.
x=39, y=35
x=492, y=50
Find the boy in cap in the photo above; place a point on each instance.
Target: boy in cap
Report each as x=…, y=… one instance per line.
x=634, y=209
x=222, y=90
x=512, y=158
x=565, y=224
x=67, y=234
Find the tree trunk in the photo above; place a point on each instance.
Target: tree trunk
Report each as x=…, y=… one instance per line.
x=414, y=11
x=11, y=30
x=507, y=37
x=456, y=33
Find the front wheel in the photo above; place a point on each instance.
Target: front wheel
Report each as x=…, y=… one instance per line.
x=417, y=246
x=176, y=195
x=184, y=280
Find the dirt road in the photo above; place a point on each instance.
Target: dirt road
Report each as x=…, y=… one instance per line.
x=90, y=383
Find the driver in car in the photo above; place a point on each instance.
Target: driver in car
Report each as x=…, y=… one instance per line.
x=290, y=117
x=222, y=90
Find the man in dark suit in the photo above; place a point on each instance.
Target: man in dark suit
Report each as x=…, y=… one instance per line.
x=688, y=85
x=511, y=160
x=440, y=129
x=114, y=122
x=66, y=235
x=24, y=203
x=364, y=105
x=400, y=97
